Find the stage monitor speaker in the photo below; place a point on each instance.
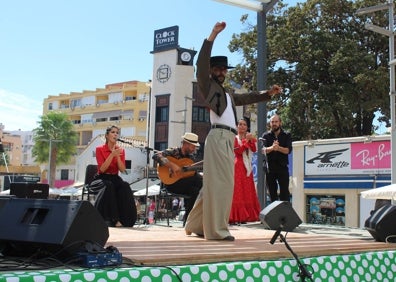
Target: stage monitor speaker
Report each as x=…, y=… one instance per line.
x=280, y=214
x=382, y=223
x=4, y=200
x=30, y=226
x=29, y=190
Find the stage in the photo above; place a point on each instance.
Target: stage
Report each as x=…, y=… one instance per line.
x=164, y=253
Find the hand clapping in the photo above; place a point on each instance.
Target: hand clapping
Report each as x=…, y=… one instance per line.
x=116, y=152
x=275, y=145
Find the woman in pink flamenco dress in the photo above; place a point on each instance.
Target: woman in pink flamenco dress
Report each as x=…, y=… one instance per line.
x=245, y=203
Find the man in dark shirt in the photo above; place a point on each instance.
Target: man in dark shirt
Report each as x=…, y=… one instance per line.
x=277, y=146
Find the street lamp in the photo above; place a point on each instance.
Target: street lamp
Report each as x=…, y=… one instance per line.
x=250, y=5
x=262, y=9
x=392, y=92
x=149, y=84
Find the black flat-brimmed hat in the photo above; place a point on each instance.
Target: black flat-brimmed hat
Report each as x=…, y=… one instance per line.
x=219, y=61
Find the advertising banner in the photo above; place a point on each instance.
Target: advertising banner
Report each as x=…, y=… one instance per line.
x=348, y=159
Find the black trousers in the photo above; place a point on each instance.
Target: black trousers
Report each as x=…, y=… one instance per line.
x=278, y=177
x=190, y=187
x=116, y=202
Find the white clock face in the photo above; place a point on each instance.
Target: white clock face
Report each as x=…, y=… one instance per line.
x=185, y=56
x=163, y=73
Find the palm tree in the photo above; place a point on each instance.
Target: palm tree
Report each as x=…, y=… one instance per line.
x=55, y=142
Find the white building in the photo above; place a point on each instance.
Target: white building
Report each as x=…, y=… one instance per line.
x=135, y=158
x=27, y=146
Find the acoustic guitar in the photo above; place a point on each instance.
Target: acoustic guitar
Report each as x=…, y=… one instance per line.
x=188, y=169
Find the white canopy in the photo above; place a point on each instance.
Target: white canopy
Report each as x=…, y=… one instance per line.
x=386, y=192
x=142, y=183
x=153, y=190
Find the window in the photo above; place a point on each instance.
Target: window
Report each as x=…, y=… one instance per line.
x=64, y=174
x=200, y=114
x=128, y=166
x=50, y=107
x=142, y=115
x=75, y=103
x=127, y=115
x=162, y=114
x=161, y=146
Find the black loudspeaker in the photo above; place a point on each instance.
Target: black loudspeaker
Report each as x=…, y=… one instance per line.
x=29, y=190
x=382, y=223
x=60, y=227
x=280, y=215
x=4, y=200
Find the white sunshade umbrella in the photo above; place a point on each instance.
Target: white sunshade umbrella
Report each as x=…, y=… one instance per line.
x=153, y=190
x=386, y=192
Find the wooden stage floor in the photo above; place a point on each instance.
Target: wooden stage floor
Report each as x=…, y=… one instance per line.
x=159, y=245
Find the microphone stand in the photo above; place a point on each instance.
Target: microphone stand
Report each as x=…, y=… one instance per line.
x=262, y=143
x=303, y=271
x=146, y=219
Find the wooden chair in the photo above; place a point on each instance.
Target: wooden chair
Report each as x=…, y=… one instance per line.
x=90, y=172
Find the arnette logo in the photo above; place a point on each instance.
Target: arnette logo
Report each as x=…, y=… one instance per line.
x=325, y=159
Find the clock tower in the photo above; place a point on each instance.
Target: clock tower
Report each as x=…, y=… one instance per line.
x=171, y=90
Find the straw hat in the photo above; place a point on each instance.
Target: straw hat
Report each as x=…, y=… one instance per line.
x=191, y=138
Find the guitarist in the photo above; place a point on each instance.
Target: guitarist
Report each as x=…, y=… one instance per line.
x=189, y=186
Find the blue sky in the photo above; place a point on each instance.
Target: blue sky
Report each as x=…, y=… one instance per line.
x=49, y=47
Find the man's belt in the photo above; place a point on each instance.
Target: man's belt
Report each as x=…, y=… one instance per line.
x=233, y=130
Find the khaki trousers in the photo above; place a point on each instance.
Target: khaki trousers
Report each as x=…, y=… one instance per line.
x=211, y=212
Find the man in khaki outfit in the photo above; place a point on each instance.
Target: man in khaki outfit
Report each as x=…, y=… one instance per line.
x=210, y=214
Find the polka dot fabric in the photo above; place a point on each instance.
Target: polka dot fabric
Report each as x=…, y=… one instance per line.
x=372, y=266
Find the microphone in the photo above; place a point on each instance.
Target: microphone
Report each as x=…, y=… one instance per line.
x=122, y=141
x=125, y=142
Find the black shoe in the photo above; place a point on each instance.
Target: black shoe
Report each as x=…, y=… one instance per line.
x=229, y=238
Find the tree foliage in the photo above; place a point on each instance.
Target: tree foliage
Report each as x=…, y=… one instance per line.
x=334, y=71
x=54, y=132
